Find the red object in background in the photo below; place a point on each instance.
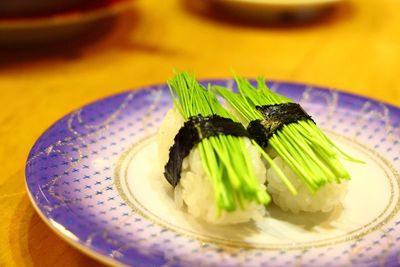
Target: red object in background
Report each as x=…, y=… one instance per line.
x=85, y=11
x=52, y=25
x=28, y=9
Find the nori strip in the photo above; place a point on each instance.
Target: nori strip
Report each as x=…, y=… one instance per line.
x=275, y=117
x=192, y=132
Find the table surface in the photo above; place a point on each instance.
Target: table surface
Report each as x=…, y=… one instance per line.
x=355, y=47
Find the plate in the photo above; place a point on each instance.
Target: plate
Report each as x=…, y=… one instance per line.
x=95, y=179
x=282, y=4
x=20, y=29
x=275, y=9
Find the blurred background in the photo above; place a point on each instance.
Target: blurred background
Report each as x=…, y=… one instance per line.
x=57, y=55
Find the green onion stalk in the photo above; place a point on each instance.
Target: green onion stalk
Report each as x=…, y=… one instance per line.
x=224, y=157
x=311, y=155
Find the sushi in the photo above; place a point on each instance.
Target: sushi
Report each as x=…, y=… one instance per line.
x=313, y=178
x=215, y=169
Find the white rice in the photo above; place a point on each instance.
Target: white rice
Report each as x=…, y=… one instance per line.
x=195, y=194
x=194, y=191
x=325, y=199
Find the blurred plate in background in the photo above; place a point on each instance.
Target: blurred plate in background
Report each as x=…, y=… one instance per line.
x=275, y=9
x=11, y=8
x=280, y=5
x=59, y=25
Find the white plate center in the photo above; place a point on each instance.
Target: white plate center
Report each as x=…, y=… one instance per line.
x=371, y=200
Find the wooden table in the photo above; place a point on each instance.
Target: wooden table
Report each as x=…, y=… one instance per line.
x=356, y=47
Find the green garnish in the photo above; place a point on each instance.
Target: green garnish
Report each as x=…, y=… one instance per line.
x=312, y=156
x=224, y=157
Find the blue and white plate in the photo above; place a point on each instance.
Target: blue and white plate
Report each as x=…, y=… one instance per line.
x=94, y=177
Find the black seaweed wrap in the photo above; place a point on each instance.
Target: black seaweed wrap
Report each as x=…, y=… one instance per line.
x=275, y=117
x=192, y=132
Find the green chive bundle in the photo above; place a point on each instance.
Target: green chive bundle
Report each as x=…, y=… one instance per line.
x=224, y=157
x=312, y=156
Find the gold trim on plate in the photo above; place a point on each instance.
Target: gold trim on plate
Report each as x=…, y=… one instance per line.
x=354, y=235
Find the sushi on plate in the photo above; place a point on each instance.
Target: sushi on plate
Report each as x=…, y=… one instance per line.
x=216, y=170
x=313, y=178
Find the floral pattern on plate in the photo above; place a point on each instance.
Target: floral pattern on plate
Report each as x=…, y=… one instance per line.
x=79, y=177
